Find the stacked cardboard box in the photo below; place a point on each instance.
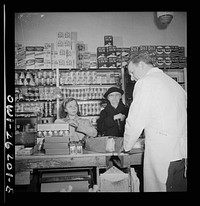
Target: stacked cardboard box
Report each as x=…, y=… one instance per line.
x=107, y=54
x=164, y=56
x=20, y=56
x=83, y=56
x=66, y=50
x=30, y=57
x=55, y=137
x=56, y=145
x=48, y=50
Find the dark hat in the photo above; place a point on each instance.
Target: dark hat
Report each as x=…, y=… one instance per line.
x=113, y=89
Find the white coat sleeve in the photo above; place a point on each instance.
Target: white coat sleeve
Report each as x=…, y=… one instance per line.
x=138, y=115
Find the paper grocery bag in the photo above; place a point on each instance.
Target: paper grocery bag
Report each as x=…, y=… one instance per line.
x=114, y=180
x=135, y=182
x=104, y=144
x=97, y=144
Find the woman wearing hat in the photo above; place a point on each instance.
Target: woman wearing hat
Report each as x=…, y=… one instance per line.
x=112, y=118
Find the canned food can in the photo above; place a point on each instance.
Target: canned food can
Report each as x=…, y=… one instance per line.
x=72, y=148
x=79, y=148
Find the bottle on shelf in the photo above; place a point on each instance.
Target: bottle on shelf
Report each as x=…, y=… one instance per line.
x=25, y=83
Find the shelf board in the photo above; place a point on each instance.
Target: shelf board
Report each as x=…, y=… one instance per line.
x=44, y=100
x=53, y=85
x=90, y=69
x=25, y=112
x=25, y=69
x=172, y=69
x=85, y=100
x=88, y=85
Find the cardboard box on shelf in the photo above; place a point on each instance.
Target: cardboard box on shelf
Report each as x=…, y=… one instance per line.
x=112, y=62
x=39, y=63
x=152, y=50
x=101, y=52
x=30, y=57
x=159, y=50
x=111, y=51
x=26, y=151
x=172, y=50
x=143, y=48
x=134, y=50
x=102, y=62
x=39, y=51
x=119, y=53
x=125, y=53
x=108, y=40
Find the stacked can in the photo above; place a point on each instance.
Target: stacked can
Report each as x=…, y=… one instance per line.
x=75, y=148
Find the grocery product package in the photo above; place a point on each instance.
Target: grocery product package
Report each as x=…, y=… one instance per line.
x=108, y=144
x=103, y=144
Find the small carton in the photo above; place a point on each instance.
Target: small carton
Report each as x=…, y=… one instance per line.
x=26, y=151
x=101, y=52
x=108, y=40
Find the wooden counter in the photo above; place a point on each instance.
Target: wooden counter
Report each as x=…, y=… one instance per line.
x=24, y=165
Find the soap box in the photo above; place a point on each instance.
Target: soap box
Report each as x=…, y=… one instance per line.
x=26, y=151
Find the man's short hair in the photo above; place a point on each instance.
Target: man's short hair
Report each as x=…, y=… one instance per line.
x=145, y=57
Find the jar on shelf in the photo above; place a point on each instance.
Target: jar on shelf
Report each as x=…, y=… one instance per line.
x=22, y=76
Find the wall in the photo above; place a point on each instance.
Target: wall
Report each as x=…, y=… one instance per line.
x=128, y=28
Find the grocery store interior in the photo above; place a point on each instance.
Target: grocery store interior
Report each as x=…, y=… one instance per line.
x=80, y=55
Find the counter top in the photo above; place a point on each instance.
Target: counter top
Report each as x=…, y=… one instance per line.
x=24, y=165
x=40, y=160
x=86, y=153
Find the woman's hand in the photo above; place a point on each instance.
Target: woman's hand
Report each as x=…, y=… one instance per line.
x=73, y=123
x=119, y=116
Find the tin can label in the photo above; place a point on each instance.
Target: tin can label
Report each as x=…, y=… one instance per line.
x=72, y=149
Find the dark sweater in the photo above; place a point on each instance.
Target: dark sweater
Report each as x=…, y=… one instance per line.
x=106, y=125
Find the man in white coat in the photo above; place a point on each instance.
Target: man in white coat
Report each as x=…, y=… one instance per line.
x=159, y=107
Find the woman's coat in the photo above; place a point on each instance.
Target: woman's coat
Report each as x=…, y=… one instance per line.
x=106, y=125
x=160, y=108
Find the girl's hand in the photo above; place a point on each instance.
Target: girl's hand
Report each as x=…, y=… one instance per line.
x=73, y=123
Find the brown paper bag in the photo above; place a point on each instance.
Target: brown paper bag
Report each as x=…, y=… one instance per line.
x=114, y=180
x=99, y=144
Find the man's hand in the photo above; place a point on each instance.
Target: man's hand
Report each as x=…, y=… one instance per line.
x=121, y=150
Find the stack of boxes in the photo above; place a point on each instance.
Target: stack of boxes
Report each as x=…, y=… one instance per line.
x=48, y=50
x=55, y=138
x=102, y=60
x=166, y=57
x=83, y=56
x=66, y=49
x=33, y=57
x=69, y=53
x=107, y=55
x=20, y=56
x=112, y=56
x=39, y=57
x=30, y=57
